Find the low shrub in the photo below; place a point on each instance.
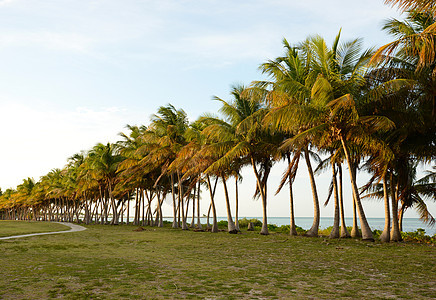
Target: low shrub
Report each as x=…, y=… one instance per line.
x=418, y=236
x=222, y=224
x=243, y=223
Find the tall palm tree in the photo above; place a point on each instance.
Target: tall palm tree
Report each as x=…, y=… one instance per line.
x=411, y=107
x=327, y=110
x=162, y=141
x=103, y=164
x=288, y=76
x=253, y=143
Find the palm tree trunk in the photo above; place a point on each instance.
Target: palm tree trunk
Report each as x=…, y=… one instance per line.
x=137, y=207
x=159, y=209
x=400, y=217
x=193, y=208
x=181, y=192
x=385, y=236
x=128, y=208
x=313, y=231
x=198, y=205
x=395, y=231
x=230, y=224
x=344, y=230
x=150, y=197
x=355, y=233
x=212, y=203
x=264, y=229
x=175, y=223
x=114, y=208
x=366, y=230
x=237, y=204
x=143, y=206
x=292, y=227
x=208, y=215
x=335, y=230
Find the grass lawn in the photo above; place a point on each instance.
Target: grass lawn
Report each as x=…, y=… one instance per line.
x=9, y=228
x=116, y=262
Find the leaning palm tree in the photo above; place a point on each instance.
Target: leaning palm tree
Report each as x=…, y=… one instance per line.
x=103, y=163
x=252, y=143
x=329, y=111
x=219, y=139
x=162, y=141
x=289, y=86
x=411, y=107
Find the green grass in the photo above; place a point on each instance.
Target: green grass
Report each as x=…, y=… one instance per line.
x=9, y=228
x=115, y=262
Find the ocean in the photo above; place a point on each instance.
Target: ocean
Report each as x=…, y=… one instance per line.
x=409, y=224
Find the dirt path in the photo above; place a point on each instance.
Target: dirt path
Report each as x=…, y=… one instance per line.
x=73, y=227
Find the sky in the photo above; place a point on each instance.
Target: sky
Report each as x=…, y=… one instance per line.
x=73, y=73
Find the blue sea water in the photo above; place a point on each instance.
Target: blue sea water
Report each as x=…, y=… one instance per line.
x=409, y=224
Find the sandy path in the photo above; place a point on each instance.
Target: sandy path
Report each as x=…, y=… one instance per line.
x=73, y=227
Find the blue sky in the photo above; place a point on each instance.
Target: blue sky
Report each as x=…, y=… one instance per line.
x=74, y=73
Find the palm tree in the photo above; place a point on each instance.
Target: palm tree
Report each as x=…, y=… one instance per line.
x=252, y=143
x=411, y=106
x=425, y=6
x=162, y=141
x=103, y=163
x=414, y=49
x=327, y=111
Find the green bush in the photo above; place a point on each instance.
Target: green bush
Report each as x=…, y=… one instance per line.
x=418, y=236
x=243, y=223
x=376, y=233
x=223, y=224
x=272, y=227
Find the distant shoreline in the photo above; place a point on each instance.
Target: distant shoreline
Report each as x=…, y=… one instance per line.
x=409, y=224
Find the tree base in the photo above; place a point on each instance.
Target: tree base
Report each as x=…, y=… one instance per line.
x=311, y=234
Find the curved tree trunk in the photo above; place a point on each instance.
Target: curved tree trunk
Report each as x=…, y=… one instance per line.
x=198, y=206
x=292, y=227
x=262, y=188
x=230, y=224
x=366, y=230
x=355, y=233
x=237, y=204
x=208, y=215
x=335, y=230
x=128, y=209
x=385, y=236
x=313, y=231
x=181, y=192
x=175, y=223
x=400, y=217
x=395, y=231
x=192, y=225
x=212, y=203
x=159, y=210
x=344, y=230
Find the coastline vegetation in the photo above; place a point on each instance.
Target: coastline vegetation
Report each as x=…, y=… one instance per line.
x=356, y=108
